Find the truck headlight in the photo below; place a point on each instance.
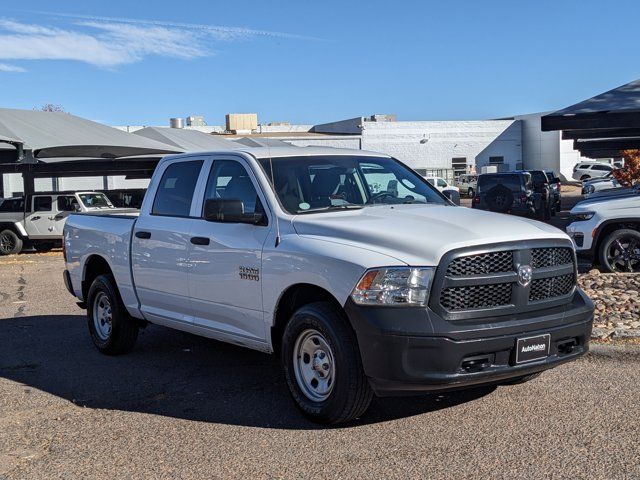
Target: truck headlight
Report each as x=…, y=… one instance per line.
x=581, y=216
x=398, y=286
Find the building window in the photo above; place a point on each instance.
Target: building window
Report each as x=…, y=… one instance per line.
x=459, y=166
x=496, y=160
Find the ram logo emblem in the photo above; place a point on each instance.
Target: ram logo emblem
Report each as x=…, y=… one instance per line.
x=525, y=274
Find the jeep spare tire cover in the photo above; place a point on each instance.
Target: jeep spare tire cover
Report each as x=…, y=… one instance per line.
x=499, y=199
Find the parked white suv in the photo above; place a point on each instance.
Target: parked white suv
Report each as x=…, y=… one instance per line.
x=347, y=264
x=441, y=184
x=39, y=222
x=586, y=170
x=606, y=230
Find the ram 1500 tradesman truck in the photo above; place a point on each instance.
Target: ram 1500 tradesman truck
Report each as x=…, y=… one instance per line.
x=350, y=266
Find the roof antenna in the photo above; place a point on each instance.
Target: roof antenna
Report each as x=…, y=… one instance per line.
x=273, y=184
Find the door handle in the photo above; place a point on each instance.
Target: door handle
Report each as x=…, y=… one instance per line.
x=35, y=218
x=142, y=234
x=200, y=240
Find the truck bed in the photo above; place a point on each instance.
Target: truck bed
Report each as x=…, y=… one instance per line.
x=105, y=234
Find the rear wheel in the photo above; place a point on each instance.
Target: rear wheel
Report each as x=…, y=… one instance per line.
x=322, y=365
x=620, y=251
x=470, y=192
x=112, y=330
x=10, y=242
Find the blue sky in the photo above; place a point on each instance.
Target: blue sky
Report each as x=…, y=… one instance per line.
x=124, y=62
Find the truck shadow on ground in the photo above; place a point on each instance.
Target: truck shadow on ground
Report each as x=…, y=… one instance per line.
x=173, y=374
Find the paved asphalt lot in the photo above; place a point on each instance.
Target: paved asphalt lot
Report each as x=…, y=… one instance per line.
x=180, y=406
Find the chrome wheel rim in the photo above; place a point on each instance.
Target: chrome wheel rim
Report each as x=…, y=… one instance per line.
x=314, y=365
x=7, y=243
x=102, y=316
x=623, y=254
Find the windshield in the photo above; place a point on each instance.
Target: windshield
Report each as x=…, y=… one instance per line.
x=95, y=200
x=320, y=183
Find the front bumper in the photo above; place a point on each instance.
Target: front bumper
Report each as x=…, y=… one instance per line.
x=409, y=350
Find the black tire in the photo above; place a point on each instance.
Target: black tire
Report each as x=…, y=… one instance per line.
x=123, y=332
x=350, y=394
x=500, y=199
x=584, y=177
x=43, y=247
x=470, y=193
x=10, y=242
x=620, y=251
x=520, y=380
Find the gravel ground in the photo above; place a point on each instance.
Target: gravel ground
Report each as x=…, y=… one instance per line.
x=617, y=301
x=180, y=406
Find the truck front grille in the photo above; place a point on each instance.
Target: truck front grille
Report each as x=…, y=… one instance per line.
x=550, y=257
x=551, y=287
x=476, y=296
x=472, y=284
x=483, y=263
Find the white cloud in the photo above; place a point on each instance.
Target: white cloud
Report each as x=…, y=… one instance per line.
x=5, y=67
x=110, y=42
x=109, y=45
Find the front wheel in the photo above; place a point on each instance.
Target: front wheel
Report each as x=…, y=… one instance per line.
x=620, y=251
x=10, y=242
x=112, y=330
x=322, y=365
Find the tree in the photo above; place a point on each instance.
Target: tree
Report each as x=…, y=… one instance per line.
x=629, y=174
x=50, y=107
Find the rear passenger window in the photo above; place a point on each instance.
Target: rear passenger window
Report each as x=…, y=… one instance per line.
x=604, y=168
x=42, y=204
x=176, y=188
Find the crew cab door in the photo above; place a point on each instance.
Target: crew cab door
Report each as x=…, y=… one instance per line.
x=225, y=280
x=160, y=242
x=39, y=223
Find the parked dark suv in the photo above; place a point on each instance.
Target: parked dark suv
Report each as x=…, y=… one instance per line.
x=544, y=196
x=506, y=193
x=556, y=184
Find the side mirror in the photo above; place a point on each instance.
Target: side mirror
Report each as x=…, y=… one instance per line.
x=229, y=211
x=452, y=195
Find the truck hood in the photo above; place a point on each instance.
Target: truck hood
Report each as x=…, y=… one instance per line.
x=420, y=234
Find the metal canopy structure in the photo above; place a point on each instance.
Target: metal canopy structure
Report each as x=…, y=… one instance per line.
x=603, y=125
x=54, y=144
x=55, y=134
x=262, y=142
x=186, y=140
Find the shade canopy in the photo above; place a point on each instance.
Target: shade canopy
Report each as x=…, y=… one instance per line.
x=262, y=142
x=56, y=134
x=186, y=140
x=603, y=125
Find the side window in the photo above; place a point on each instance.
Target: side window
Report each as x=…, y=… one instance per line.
x=603, y=168
x=442, y=183
x=229, y=180
x=175, y=191
x=42, y=204
x=67, y=203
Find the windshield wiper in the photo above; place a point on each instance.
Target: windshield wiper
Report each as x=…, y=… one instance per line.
x=346, y=206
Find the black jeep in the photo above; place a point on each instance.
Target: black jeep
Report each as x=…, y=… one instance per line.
x=509, y=193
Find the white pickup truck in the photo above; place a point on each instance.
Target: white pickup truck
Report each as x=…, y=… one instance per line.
x=38, y=222
x=347, y=264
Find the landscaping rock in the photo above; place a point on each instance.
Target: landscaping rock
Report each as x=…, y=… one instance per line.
x=617, y=303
